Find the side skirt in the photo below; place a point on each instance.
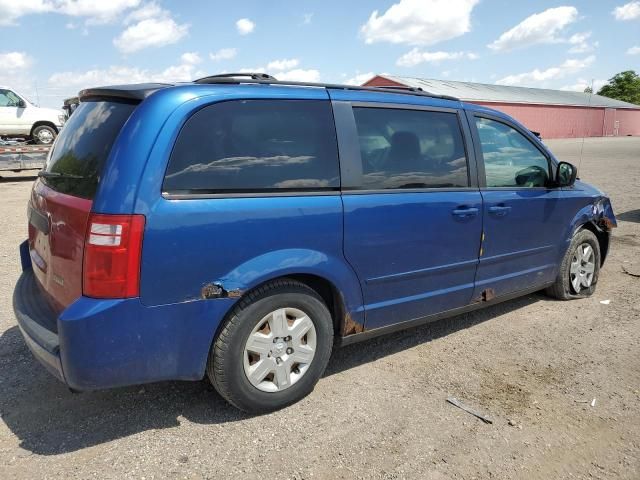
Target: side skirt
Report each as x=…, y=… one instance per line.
x=376, y=332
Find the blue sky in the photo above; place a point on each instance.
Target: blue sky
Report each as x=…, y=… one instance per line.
x=57, y=47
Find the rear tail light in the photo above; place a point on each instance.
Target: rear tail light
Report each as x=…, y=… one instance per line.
x=112, y=251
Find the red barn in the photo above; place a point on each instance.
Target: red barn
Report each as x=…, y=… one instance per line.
x=553, y=113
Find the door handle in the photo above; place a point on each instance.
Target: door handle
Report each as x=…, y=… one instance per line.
x=463, y=212
x=499, y=210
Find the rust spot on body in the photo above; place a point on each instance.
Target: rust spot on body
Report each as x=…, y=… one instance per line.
x=215, y=290
x=488, y=294
x=607, y=223
x=350, y=326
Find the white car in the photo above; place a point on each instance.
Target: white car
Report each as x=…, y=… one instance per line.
x=21, y=118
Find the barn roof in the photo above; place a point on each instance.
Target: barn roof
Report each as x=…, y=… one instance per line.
x=483, y=92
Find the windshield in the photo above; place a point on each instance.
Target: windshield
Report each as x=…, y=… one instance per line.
x=83, y=146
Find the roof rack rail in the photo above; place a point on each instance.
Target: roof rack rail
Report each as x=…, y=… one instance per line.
x=265, y=79
x=400, y=87
x=251, y=75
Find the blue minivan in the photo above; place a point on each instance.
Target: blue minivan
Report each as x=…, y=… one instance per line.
x=239, y=227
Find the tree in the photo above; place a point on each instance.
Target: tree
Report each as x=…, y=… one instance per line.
x=623, y=86
x=588, y=90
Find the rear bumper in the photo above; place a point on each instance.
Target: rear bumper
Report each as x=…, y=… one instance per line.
x=111, y=343
x=32, y=315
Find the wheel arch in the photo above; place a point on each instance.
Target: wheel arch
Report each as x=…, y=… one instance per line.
x=590, y=218
x=602, y=235
x=343, y=320
x=45, y=123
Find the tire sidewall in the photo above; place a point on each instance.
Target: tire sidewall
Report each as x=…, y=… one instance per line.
x=582, y=236
x=245, y=394
x=43, y=127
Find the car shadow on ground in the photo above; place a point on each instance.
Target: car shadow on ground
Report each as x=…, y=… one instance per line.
x=29, y=177
x=630, y=216
x=49, y=420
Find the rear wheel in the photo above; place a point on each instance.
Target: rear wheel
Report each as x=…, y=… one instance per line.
x=44, y=134
x=273, y=348
x=579, y=269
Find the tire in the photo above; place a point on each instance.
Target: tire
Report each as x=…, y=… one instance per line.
x=44, y=135
x=230, y=366
x=563, y=288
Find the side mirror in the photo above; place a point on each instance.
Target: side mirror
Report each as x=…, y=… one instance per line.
x=22, y=104
x=566, y=174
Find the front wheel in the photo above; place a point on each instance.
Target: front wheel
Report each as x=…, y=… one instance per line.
x=579, y=269
x=273, y=348
x=44, y=135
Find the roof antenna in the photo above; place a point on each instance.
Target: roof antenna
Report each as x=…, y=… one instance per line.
x=37, y=93
x=583, y=132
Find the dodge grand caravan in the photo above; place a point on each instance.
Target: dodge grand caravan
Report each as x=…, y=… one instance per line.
x=239, y=228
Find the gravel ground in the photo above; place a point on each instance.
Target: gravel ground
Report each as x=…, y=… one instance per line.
x=532, y=364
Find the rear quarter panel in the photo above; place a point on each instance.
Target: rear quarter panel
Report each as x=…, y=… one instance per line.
x=239, y=243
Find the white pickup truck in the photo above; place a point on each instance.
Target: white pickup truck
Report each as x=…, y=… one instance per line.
x=21, y=118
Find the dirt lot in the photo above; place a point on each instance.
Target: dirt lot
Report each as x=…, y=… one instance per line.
x=380, y=410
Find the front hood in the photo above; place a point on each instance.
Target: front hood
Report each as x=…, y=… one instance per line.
x=51, y=112
x=46, y=113
x=587, y=187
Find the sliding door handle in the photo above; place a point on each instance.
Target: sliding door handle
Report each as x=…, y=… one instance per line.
x=463, y=212
x=499, y=210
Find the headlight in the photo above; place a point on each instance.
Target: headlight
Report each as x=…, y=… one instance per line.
x=62, y=119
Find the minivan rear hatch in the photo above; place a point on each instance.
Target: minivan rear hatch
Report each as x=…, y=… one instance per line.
x=62, y=197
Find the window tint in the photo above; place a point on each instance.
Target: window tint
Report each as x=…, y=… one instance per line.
x=251, y=145
x=83, y=146
x=510, y=159
x=410, y=149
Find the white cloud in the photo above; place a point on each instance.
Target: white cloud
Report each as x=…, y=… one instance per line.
x=74, y=81
x=360, y=78
x=538, y=28
x=190, y=58
x=245, y=26
x=148, y=10
x=307, y=18
x=96, y=12
x=284, y=70
x=149, y=26
x=419, y=22
x=628, y=11
x=416, y=57
x=11, y=10
x=582, y=83
x=14, y=61
x=634, y=50
x=299, y=75
x=580, y=43
x=537, y=77
x=284, y=64
x=16, y=72
x=223, y=54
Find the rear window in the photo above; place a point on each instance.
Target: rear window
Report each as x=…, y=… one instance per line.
x=83, y=146
x=256, y=146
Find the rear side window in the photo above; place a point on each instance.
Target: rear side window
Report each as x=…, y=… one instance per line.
x=256, y=145
x=510, y=159
x=410, y=149
x=83, y=146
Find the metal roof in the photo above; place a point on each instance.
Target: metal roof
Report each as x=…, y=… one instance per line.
x=477, y=92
